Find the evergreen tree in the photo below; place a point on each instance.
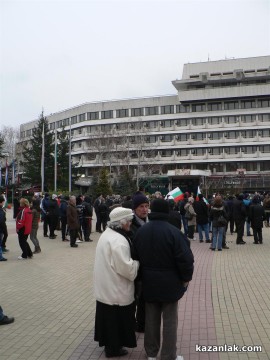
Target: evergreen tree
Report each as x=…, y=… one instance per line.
x=63, y=160
x=32, y=153
x=104, y=186
x=125, y=185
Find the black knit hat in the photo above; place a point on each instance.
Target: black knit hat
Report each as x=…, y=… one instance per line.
x=138, y=199
x=160, y=206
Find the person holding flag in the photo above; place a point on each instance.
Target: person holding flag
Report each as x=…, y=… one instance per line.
x=202, y=212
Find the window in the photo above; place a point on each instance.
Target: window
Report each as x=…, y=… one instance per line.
x=167, y=109
x=231, y=105
x=166, y=138
x=182, y=122
x=264, y=117
x=153, y=110
x=92, y=115
x=249, y=133
x=215, y=135
x=197, y=152
x=59, y=124
x=264, y=133
x=91, y=157
x=214, y=106
x=249, y=149
x=81, y=117
x=181, y=137
x=199, y=136
x=265, y=149
x=74, y=120
x=166, y=153
x=108, y=114
x=52, y=126
x=231, y=119
x=248, y=118
x=65, y=122
x=152, y=124
x=264, y=102
x=232, y=150
x=251, y=166
x=232, y=134
x=167, y=123
x=182, y=108
x=248, y=104
x=265, y=165
x=215, y=120
x=137, y=112
x=198, y=121
x=29, y=132
x=122, y=113
x=183, y=152
x=198, y=107
x=121, y=126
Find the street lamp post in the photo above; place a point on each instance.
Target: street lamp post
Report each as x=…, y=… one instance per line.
x=69, y=162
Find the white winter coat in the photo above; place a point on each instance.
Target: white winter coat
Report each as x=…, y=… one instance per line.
x=114, y=270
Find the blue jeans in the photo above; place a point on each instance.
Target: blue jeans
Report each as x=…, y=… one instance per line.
x=248, y=227
x=217, y=237
x=185, y=224
x=205, y=228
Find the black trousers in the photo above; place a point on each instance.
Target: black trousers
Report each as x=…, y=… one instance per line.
x=86, y=226
x=73, y=235
x=45, y=225
x=52, y=224
x=257, y=234
x=5, y=236
x=63, y=227
x=240, y=224
x=98, y=224
x=26, y=250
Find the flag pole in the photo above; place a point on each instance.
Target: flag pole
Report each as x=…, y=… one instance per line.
x=55, y=161
x=69, y=161
x=42, y=160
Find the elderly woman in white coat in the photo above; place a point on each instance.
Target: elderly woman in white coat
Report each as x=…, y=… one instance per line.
x=114, y=274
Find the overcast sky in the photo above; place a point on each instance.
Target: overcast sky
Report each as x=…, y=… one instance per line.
x=58, y=54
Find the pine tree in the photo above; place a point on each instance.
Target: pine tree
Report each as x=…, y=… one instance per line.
x=104, y=186
x=63, y=160
x=125, y=185
x=32, y=155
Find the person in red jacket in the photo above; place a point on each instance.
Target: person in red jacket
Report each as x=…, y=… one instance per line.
x=23, y=228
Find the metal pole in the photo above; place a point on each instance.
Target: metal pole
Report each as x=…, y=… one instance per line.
x=55, y=161
x=69, y=161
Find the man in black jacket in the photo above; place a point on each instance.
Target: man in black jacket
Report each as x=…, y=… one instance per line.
x=140, y=205
x=202, y=219
x=239, y=214
x=166, y=264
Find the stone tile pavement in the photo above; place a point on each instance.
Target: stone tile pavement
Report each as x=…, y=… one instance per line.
x=51, y=298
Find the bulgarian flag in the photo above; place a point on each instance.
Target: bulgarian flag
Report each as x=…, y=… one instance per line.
x=176, y=194
x=197, y=197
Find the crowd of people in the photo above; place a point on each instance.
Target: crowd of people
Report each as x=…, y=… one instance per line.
x=143, y=263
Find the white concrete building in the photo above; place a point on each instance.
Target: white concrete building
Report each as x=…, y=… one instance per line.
x=219, y=121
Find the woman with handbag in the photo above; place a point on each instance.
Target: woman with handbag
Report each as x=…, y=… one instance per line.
x=218, y=216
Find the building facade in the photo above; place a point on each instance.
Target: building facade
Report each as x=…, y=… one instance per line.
x=218, y=121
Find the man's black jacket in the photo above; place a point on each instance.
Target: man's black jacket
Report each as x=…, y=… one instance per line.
x=166, y=261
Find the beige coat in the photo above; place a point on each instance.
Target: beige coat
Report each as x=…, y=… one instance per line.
x=189, y=207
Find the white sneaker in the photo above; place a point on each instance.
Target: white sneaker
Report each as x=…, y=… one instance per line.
x=194, y=240
x=179, y=357
x=78, y=241
x=21, y=258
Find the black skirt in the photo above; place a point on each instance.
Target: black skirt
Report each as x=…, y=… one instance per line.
x=115, y=325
